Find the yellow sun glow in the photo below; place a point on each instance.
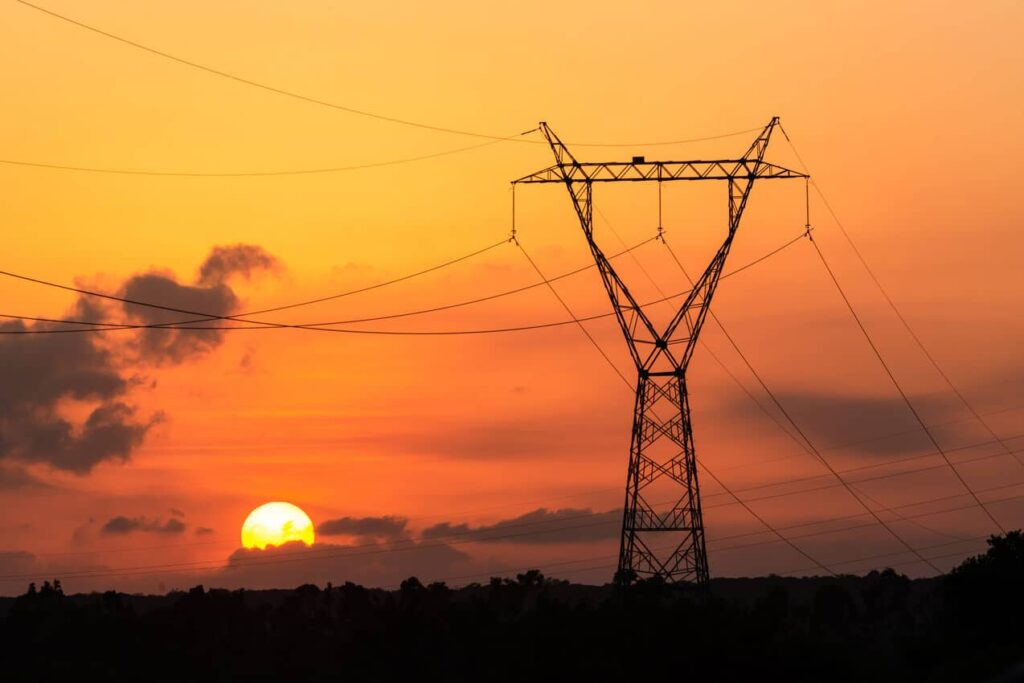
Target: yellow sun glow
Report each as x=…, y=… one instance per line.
x=275, y=524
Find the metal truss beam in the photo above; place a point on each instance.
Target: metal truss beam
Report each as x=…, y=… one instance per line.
x=661, y=171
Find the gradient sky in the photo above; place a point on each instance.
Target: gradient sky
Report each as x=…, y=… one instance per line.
x=908, y=115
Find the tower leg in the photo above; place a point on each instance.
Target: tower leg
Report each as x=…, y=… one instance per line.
x=662, y=525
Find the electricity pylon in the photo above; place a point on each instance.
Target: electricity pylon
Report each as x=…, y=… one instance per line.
x=661, y=452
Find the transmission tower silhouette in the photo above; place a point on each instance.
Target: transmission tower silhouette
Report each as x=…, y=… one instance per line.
x=662, y=454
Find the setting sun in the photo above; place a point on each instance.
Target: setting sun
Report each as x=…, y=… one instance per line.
x=276, y=523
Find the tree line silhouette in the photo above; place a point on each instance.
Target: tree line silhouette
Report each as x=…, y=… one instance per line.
x=967, y=625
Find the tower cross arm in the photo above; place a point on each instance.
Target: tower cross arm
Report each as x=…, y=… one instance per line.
x=640, y=170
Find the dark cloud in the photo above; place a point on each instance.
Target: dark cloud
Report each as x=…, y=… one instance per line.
x=18, y=562
x=33, y=376
x=235, y=259
x=12, y=478
x=540, y=526
x=121, y=525
x=40, y=372
x=110, y=432
x=365, y=527
x=997, y=392
x=176, y=512
x=874, y=425
x=210, y=296
x=175, y=346
x=204, y=531
x=447, y=530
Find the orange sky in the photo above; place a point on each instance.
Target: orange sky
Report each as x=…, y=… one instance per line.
x=908, y=115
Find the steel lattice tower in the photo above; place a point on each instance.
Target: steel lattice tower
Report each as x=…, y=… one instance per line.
x=662, y=451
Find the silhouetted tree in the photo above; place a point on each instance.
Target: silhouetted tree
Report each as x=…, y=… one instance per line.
x=531, y=579
x=986, y=591
x=881, y=627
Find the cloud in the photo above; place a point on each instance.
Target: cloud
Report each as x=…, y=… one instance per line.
x=204, y=531
x=122, y=525
x=210, y=296
x=13, y=478
x=540, y=526
x=388, y=527
x=109, y=432
x=18, y=562
x=873, y=425
x=175, y=346
x=236, y=259
x=447, y=530
x=42, y=372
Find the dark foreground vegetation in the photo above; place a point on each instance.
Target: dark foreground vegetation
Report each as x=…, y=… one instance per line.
x=966, y=626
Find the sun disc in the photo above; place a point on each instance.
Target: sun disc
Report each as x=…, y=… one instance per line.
x=276, y=523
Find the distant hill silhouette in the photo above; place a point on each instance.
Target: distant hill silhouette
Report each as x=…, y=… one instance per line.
x=965, y=626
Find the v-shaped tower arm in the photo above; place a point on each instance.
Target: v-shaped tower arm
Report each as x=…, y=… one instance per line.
x=694, y=310
x=635, y=324
x=647, y=346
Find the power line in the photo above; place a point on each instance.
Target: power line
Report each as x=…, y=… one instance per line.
x=316, y=171
x=869, y=525
x=744, y=489
x=326, y=103
x=189, y=324
x=890, y=475
x=435, y=309
x=604, y=567
x=892, y=435
x=814, y=451
x=719, y=361
x=374, y=549
x=725, y=368
x=255, y=84
x=889, y=463
x=476, y=535
x=899, y=564
x=892, y=304
x=808, y=446
x=242, y=317
x=490, y=297
x=255, y=174
x=711, y=474
x=488, y=538
x=788, y=573
x=193, y=324
x=855, y=527
x=577, y=321
x=899, y=387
